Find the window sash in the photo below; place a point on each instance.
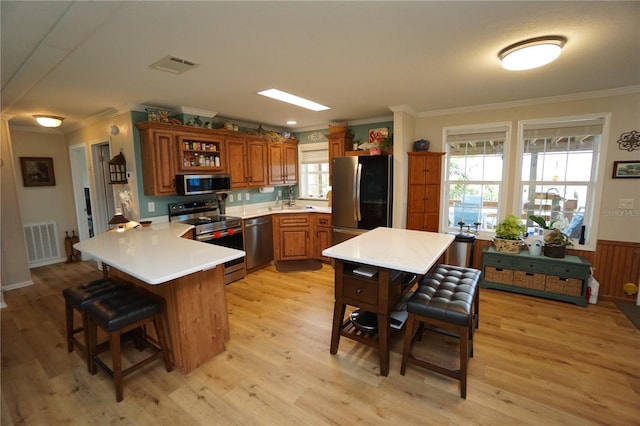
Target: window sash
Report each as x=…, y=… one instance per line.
x=471, y=192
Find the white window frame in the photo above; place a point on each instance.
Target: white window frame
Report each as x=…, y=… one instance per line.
x=597, y=182
x=504, y=187
x=305, y=149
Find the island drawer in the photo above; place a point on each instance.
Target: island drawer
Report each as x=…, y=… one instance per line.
x=360, y=290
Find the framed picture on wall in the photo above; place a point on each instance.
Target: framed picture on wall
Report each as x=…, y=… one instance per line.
x=626, y=169
x=37, y=171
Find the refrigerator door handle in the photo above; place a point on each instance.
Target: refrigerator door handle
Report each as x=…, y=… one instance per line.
x=357, y=188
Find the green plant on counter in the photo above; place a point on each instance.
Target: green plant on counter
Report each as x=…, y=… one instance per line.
x=511, y=228
x=557, y=238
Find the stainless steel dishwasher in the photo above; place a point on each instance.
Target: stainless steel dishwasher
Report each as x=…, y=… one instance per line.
x=258, y=234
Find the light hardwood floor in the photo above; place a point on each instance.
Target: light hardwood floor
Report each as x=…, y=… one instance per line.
x=537, y=362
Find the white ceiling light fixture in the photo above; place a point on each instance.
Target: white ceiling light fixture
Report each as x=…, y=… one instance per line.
x=48, y=120
x=292, y=122
x=292, y=99
x=531, y=53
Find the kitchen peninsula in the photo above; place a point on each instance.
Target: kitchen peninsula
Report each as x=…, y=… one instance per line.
x=369, y=275
x=187, y=274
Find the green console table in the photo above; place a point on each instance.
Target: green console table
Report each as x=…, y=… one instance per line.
x=560, y=279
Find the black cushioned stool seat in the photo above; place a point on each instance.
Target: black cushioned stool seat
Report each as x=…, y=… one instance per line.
x=118, y=314
x=78, y=298
x=447, y=298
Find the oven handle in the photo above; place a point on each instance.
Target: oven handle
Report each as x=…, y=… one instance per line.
x=225, y=233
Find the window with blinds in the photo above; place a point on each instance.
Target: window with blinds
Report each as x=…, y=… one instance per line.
x=559, y=172
x=473, y=176
x=314, y=170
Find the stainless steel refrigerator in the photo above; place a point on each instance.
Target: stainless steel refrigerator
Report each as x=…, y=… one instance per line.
x=361, y=195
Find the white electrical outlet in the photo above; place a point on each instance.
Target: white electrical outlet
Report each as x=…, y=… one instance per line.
x=246, y=196
x=151, y=206
x=625, y=203
x=231, y=198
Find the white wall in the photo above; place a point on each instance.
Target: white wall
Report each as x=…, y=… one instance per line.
x=46, y=203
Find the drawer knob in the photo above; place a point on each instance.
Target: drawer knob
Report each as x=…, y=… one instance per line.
x=359, y=290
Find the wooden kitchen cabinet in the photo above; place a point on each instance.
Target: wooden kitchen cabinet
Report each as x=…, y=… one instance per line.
x=292, y=236
x=283, y=163
x=339, y=143
x=159, y=154
x=423, y=203
x=199, y=154
x=246, y=162
x=322, y=235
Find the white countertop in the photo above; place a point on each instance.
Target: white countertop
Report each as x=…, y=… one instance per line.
x=399, y=249
x=156, y=254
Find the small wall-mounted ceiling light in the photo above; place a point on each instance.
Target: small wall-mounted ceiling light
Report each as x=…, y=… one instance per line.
x=48, y=120
x=531, y=53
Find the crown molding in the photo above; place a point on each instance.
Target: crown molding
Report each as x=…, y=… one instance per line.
x=536, y=101
x=403, y=108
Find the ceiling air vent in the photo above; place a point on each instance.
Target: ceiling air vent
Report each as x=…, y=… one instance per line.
x=173, y=65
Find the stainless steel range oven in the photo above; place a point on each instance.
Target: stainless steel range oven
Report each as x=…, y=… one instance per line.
x=213, y=228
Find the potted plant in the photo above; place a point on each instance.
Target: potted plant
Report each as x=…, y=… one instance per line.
x=555, y=244
x=509, y=235
x=542, y=223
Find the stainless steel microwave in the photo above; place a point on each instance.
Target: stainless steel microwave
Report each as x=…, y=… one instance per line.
x=202, y=184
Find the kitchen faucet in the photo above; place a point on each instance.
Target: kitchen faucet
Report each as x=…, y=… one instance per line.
x=290, y=201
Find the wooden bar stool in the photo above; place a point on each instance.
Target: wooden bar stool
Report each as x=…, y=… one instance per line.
x=447, y=301
x=78, y=298
x=118, y=314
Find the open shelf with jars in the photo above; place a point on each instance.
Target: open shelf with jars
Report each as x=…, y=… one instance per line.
x=199, y=154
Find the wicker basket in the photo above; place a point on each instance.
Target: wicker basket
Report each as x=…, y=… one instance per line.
x=498, y=275
x=507, y=246
x=529, y=280
x=570, y=286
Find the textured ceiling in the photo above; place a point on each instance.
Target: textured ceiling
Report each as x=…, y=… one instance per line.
x=83, y=59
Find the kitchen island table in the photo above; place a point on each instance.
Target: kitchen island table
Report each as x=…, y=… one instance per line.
x=188, y=274
x=369, y=274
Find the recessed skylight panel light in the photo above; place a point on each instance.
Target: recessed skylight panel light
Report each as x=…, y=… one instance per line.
x=293, y=99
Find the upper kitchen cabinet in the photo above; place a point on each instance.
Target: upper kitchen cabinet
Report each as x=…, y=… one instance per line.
x=339, y=143
x=283, y=163
x=423, y=203
x=246, y=161
x=200, y=153
x=159, y=155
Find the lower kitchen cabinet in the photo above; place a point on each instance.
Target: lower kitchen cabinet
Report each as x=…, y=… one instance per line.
x=322, y=235
x=560, y=279
x=292, y=236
